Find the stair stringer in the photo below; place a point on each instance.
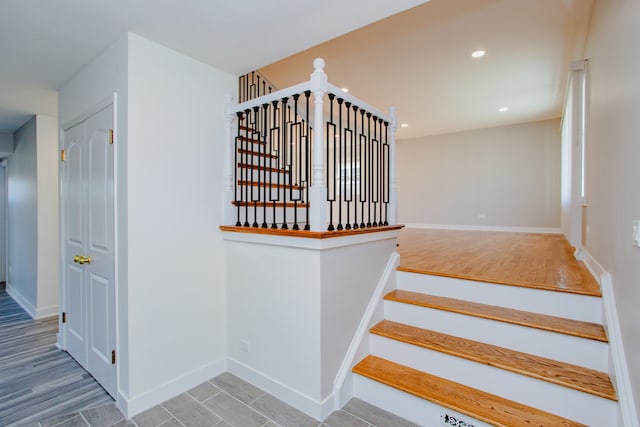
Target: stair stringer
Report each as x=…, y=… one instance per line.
x=360, y=345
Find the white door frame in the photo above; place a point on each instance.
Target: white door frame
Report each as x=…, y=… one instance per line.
x=61, y=338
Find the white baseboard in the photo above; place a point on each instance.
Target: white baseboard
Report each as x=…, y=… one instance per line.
x=619, y=371
x=21, y=300
x=545, y=230
x=343, y=394
x=316, y=409
x=42, y=312
x=134, y=405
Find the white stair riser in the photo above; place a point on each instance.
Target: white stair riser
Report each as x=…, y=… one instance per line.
x=566, y=348
x=258, y=192
x=561, y=304
x=417, y=410
x=245, y=174
x=563, y=401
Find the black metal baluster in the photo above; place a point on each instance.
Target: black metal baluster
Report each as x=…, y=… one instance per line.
x=275, y=141
x=376, y=189
x=363, y=168
x=307, y=163
x=267, y=161
x=283, y=167
x=297, y=143
x=385, y=191
x=370, y=171
x=331, y=162
x=355, y=146
x=255, y=191
x=348, y=172
x=236, y=178
x=340, y=165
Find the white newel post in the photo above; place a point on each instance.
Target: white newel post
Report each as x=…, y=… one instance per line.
x=318, y=191
x=393, y=185
x=227, y=192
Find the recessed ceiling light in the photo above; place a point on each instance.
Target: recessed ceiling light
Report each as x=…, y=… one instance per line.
x=503, y=109
x=344, y=89
x=478, y=54
x=404, y=125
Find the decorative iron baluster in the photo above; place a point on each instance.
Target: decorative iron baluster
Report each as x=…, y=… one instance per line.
x=370, y=170
x=363, y=168
x=275, y=141
x=339, y=165
x=331, y=161
x=267, y=161
x=294, y=173
x=255, y=190
x=285, y=160
x=347, y=166
x=385, y=181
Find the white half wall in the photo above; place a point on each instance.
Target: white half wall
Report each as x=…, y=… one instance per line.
x=498, y=177
x=294, y=307
x=612, y=169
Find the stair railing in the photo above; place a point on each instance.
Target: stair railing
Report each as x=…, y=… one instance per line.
x=321, y=164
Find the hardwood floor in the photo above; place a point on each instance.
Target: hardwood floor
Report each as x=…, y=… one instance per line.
x=38, y=381
x=543, y=261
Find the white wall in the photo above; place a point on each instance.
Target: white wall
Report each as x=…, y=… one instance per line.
x=509, y=174
x=613, y=161
x=48, y=247
x=6, y=144
x=170, y=256
x=22, y=216
x=32, y=217
x=177, y=310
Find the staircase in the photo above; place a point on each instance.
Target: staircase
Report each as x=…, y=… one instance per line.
x=463, y=353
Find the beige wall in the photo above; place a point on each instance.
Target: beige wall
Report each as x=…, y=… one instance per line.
x=499, y=177
x=613, y=161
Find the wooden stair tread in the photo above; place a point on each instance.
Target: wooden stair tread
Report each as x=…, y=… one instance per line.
x=261, y=168
x=269, y=184
x=556, y=372
x=561, y=325
x=271, y=204
x=251, y=140
x=478, y=404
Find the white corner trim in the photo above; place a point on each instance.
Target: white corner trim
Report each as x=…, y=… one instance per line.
x=21, y=300
x=545, y=230
x=134, y=405
x=363, y=329
x=312, y=407
x=620, y=371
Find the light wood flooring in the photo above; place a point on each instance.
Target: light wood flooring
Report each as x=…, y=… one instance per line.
x=543, y=261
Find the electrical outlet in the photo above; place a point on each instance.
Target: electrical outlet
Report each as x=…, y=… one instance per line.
x=453, y=421
x=244, y=346
x=636, y=232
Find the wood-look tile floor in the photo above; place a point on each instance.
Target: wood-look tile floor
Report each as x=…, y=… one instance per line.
x=543, y=261
x=226, y=401
x=38, y=381
x=41, y=386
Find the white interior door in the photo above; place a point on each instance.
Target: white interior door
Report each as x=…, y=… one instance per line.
x=89, y=247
